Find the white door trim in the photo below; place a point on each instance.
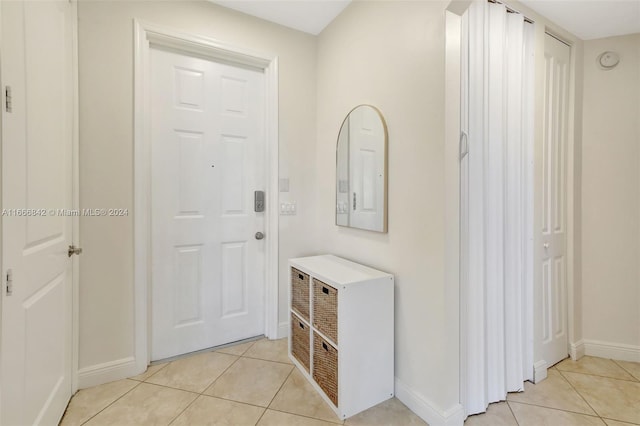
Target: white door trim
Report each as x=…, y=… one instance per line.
x=75, y=199
x=145, y=35
x=573, y=305
x=574, y=335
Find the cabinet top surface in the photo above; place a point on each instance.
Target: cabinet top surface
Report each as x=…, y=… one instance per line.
x=336, y=269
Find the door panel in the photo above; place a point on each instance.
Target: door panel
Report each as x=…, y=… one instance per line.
x=207, y=159
x=37, y=141
x=554, y=201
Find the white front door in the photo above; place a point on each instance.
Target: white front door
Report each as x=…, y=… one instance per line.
x=207, y=156
x=366, y=161
x=552, y=313
x=37, y=137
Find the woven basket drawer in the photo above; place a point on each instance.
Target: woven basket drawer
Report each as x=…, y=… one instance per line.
x=325, y=367
x=300, y=340
x=300, y=293
x=325, y=309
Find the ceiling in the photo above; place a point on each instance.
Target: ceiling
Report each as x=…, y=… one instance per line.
x=587, y=19
x=590, y=19
x=310, y=16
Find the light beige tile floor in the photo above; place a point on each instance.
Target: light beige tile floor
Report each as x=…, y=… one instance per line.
x=254, y=383
x=591, y=391
x=251, y=383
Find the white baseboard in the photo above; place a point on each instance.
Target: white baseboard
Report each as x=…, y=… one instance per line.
x=107, y=372
x=611, y=350
x=576, y=350
x=283, y=330
x=426, y=409
x=540, y=371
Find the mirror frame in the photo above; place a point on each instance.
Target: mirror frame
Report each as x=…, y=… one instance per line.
x=385, y=190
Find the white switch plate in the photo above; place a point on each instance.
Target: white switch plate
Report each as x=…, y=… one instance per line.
x=284, y=184
x=288, y=208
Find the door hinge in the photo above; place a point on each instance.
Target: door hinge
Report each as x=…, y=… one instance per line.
x=74, y=250
x=9, y=277
x=8, y=99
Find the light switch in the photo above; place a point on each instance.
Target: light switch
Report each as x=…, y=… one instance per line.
x=288, y=208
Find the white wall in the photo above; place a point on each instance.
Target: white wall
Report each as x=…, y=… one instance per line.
x=106, y=151
x=391, y=55
x=611, y=196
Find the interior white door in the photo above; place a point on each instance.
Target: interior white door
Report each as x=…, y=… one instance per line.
x=208, y=150
x=37, y=137
x=366, y=161
x=552, y=314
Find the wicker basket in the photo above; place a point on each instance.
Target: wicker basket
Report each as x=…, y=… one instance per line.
x=300, y=340
x=325, y=367
x=300, y=293
x=325, y=309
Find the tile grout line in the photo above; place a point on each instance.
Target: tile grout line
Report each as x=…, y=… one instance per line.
x=600, y=375
x=232, y=400
x=243, y=352
x=198, y=394
x=557, y=409
x=152, y=374
x=604, y=419
x=170, y=387
x=238, y=357
x=604, y=377
x=295, y=414
x=581, y=396
x=270, y=360
x=202, y=393
x=627, y=371
x=275, y=394
x=512, y=413
x=184, y=409
x=221, y=374
x=138, y=382
x=307, y=417
x=114, y=401
x=208, y=386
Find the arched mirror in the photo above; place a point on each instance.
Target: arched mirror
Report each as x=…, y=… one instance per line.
x=361, y=170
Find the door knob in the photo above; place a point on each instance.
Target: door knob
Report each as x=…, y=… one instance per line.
x=546, y=246
x=259, y=235
x=74, y=250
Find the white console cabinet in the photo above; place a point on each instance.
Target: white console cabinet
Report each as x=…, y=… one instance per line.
x=341, y=335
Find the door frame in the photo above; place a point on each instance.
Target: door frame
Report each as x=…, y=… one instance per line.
x=75, y=200
x=145, y=35
x=573, y=305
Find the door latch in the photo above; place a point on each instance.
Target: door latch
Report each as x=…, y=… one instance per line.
x=74, y=250
x=9, y=277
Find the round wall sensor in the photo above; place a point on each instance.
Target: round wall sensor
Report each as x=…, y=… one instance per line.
x=608, y=60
